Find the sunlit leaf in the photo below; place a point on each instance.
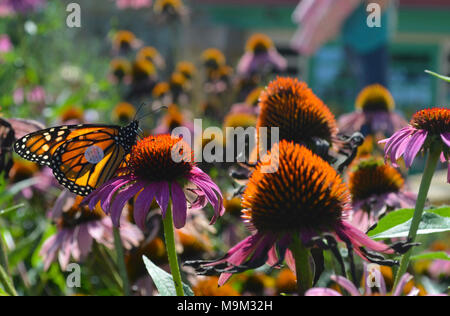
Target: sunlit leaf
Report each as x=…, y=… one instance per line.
x=163, y=280
x=430, y=223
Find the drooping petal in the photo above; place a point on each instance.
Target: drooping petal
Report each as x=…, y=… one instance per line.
x=210, y=189
x=102, y=192
x=359, y=239
x=179, y=205
x=121, y=198
x=84, y=241
x=162, y=196
x=414, y=145
x=446, y=138
x=107, y=196
x=142, y=204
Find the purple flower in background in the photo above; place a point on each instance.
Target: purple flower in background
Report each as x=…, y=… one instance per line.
x=36, y=95
x=425, y=127
x=5, y=43
x=78, y=228
x=374, y=113
x=133, y=4
x=154, y=174
x=261, y=56
x=376, y=188
x=24, y=6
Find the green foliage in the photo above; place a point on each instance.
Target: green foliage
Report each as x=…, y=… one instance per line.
x=396, y=224
x=163, y=280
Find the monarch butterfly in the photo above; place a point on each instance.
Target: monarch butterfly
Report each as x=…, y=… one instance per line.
x=82, y=156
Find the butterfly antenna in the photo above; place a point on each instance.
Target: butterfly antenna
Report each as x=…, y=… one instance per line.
x=139, y=108
x=153, y=111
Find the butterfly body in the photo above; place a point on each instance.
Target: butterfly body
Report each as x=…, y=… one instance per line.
x=83, y=156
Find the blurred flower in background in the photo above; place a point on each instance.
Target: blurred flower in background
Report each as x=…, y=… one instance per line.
x=78, y=228
x=374, y=114
x=24, y=6
x=133, y=4
x=376, y=189
x=261, y=56
x=5, y=43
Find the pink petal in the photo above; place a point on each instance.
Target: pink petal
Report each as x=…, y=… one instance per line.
x=346, y=284
x=446, y=138
x=321, y=291
x=142, y=204
x=401, y=284
x=179, y=205
x=414, y=145
x=162, y=196
x=122, y=198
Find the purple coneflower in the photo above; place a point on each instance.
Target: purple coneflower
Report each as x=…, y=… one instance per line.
x=376, y=188
x=374, y=113
x=426, y=127
x=305, y=198
x=78, y=228
x=153, y=174
x=261, y=56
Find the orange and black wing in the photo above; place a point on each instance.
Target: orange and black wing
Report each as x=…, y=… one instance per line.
x=82, y=157
x=84, y=162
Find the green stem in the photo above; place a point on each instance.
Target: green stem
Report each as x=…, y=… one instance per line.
x=5, y=275
x=104, y=257
x=3, y=256
x=169, y=236
x=430, y=167
x=121, y=262
x=302, y=266
x=7, y=283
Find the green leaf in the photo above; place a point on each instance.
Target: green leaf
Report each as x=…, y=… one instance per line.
x=445, y=78
x=401, y=216
x=163, y=280
x=443, y=211
x=391, y=220
x=430, y=223
x=438, y=255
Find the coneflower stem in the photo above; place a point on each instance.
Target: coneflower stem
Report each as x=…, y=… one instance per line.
x=302, y=266
x=121, y=262
x=430, y=167
x=5, y=277
x=169, y=236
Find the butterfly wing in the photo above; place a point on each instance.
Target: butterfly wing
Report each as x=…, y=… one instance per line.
x=82, y=157
x=40, y=146
x=83, y=163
